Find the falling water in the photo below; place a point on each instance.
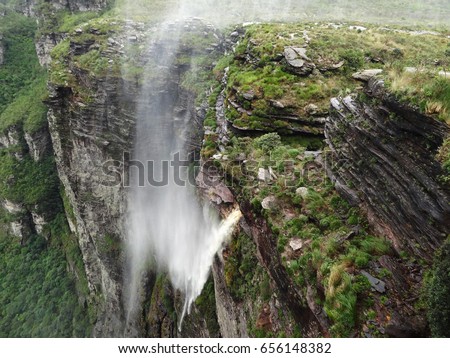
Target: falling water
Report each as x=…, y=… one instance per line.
x=167, y=226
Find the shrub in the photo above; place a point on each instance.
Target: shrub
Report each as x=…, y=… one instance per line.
x=437, y=294
x=268, y=142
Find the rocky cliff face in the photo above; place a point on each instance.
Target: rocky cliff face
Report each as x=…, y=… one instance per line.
x=85, y=136
x=383, y=158
x=49, y=17
x=92, y=122
x=25, y=220
x=30, y=7
x=383, y=154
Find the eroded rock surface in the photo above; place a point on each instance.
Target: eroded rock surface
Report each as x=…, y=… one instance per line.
x=384, y=159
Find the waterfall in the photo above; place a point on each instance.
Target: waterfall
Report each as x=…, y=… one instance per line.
x=167, y=227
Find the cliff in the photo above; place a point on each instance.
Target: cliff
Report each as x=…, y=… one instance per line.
x=345, y=207
x=383, y=158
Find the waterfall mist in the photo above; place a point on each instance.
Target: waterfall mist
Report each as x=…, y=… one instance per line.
x=168, y=229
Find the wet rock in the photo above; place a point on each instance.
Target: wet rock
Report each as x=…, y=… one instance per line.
x=229, y=315
x=386, y=163
x=376, y=284
x=213, y=188
x=406, y=327
x=398, y=278
x=366, y=75
x=221, y=194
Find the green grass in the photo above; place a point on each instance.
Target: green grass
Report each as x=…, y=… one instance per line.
x=391, y=50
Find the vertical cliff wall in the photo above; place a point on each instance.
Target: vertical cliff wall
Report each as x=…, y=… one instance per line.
x=383, y=158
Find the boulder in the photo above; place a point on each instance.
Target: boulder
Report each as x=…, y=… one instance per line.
x=296, y=244
x=297, y=60
x=269, y=203
x=277, y=104
x=292, y=53
x=249, y=96
x=366, y=75
x=358, y=28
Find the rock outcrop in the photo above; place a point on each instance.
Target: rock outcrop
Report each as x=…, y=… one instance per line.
x=20, y=220
x=383, y=159
x=92, y=134
x=84, y=139
x=30, y=7
x=39, y=143
x=44, y=46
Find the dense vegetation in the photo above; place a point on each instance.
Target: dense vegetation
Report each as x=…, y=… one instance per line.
x=437, y=294
x=39, y=295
